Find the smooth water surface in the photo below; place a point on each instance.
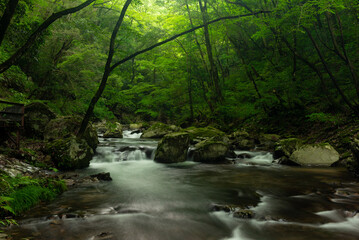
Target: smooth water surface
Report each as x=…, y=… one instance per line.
x=151, y=201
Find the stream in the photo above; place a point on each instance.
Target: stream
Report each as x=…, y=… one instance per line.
x=152, y=201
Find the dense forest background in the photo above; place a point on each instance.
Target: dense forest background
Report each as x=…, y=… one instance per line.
x=284, y=62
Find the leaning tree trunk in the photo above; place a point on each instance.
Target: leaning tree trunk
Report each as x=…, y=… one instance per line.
x=6, y=18
x=106, y=73
x=109, y=69
x=30, y=41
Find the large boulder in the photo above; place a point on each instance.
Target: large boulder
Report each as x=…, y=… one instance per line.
x=200, y=134
x=285, y=147
x=210, y=151
x=315, y=155
x=173, y=148
x=114, y=130
x=37, y=116
x=64, y=127
x=158, y=130
x=70, y=153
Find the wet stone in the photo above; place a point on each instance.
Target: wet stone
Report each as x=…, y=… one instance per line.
x=104, y=236
x=243, y=213
x=102, y=176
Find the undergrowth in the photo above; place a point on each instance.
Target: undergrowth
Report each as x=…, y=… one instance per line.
x=20, y=193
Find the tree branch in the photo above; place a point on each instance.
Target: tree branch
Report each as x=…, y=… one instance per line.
x=20, y=52
x=181, y=34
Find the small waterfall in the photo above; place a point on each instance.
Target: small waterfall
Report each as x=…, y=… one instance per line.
x=137, y=155
x=129, y=148
x=132, y=134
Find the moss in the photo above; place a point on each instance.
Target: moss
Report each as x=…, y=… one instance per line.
x=22, y=192
x=69, y=153
x=206, y=132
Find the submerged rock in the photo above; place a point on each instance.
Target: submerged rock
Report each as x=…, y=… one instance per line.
x=37, y=116
x=173, y=148
x=315, y=155
x=210, y=151
x=159, y=130
x=243, y=213
x=70, y=153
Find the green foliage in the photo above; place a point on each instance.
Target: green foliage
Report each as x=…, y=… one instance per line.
x=323, y=118
x=22, y=192
x=259, y=75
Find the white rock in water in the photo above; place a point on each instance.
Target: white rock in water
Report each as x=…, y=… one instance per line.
x=315, y=155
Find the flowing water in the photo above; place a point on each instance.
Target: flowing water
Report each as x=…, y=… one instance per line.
x=152, y=201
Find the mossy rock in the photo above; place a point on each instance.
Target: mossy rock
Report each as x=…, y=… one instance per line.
x=285, y=147
x=37, y=116
x=210, y=151
x=114, y=130
x=173, y=148
x=268, y=141
x=243, y=140
x=64, y=127
x=70, y=153
x=158, y=130
x=200, y=134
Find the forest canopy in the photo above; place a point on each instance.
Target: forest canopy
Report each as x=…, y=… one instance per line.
x=262, y=59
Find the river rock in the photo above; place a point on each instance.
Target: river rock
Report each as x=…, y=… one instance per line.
x=210, y=151
x=173, y=148
x=158, y=130
x=14, y=167
x=70, y=153
x=102, y=176
x=64, y=127
x=37, y=116
x=242, y=140
x=315, y=155
x=285, y=147
x=100, y=126
x=243, y=213
x=267, y=142
x=200, y=134
x=135, y=126
x=113, y=130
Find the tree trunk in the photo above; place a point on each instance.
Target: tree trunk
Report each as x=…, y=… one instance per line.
x=343, y=55
x=196, y=40
x=6, y=18
x=326, y=67
x=22, y=50
x=213, y=68
x=106, y=73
